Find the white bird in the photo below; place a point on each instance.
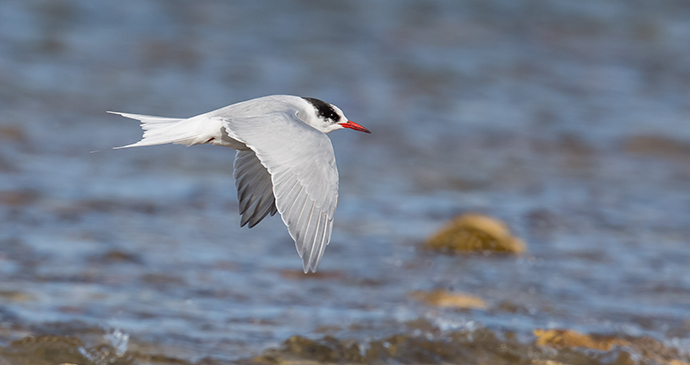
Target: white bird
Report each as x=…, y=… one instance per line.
x=284, y=161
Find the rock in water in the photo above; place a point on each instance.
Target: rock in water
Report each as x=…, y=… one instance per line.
x=475, y=233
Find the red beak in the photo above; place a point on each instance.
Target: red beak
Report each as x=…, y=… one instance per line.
x=352, y=125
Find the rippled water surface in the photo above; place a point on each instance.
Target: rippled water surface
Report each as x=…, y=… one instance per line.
x=570, y=121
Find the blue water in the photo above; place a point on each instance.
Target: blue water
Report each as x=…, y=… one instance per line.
x=567, y=120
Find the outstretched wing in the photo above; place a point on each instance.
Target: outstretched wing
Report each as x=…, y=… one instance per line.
x=301, y=164
x=254, y=188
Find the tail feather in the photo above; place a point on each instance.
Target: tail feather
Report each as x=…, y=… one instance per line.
x=161, y=130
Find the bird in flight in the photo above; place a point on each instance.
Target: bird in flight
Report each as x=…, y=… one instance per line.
x=284, y=161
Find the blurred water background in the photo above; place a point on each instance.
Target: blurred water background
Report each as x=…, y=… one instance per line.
x=567, y=120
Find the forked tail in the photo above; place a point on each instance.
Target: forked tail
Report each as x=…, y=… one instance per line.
x=161, y=130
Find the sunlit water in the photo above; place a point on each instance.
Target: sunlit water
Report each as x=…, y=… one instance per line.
x=570, y=121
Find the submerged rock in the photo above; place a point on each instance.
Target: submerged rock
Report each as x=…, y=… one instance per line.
x=442, y=298
x=297, y=349
x=480, y=346
x=16, y=296
x=659, y=147
x=421, y=343
x=558, y=338
x=475, y=233
x=52, y=349
x=645, y=349
x=12, y=133
x=18, y=198
x=400, y=348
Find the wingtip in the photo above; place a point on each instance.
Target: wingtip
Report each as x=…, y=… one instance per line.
x=306, y=268
x=309, y=264
x=127, y=146
x=126, y=115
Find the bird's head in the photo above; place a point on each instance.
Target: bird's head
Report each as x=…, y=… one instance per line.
x=326, y=117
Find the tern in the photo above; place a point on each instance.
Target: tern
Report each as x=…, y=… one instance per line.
x=284, y=161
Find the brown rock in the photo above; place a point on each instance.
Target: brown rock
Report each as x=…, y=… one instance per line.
x=659, y=147
x=18, y=198
x=442, y=298
x=12, y=133
x=558, y=338
x=476, y=233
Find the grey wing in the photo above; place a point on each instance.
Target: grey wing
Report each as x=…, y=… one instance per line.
x=301, y=164
x=254, y=188
x=309, y=224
